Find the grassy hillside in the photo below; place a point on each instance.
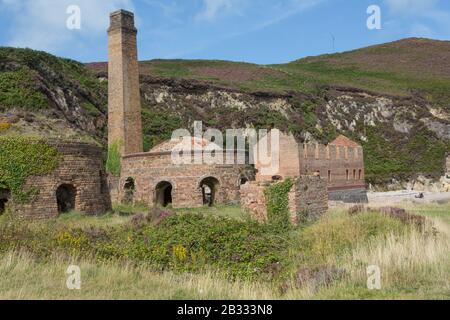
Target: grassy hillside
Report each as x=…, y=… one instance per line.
x=397, y=68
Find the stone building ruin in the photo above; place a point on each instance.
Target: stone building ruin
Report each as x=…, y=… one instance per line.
x=79, y=183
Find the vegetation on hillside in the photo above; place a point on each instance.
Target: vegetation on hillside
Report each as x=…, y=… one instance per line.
x=417, y=69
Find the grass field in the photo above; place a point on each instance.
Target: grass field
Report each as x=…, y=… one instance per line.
x=323, y=260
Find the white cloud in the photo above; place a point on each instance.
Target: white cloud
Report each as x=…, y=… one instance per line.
x=41, y=24
x=424, y=18
x=420, y=30
x=212, y=8
x=410, y=6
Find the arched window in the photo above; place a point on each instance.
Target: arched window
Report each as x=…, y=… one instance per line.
x=347, y=175
x=209, y=186
x=163, y=194
x=65, y=198
x=359, y=174
x=329, y=175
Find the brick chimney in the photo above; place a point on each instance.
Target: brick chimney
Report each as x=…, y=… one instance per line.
x=124, y=105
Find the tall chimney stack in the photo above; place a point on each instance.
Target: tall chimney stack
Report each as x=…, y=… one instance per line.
x=124, y=106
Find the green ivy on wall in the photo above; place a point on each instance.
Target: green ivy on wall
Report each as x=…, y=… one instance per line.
x=114, y=161
x=277, y=199
x=21, y=158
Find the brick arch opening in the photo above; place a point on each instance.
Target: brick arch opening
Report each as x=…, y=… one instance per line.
x=129, y=189
x=163, y=194
x=66, y=197
x=242, y=180
x=210, y=187
x=4, y=197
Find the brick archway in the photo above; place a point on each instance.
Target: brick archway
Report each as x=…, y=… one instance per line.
x=66, y=198
x=129, y=188
x=210, y=188
x=163, y=194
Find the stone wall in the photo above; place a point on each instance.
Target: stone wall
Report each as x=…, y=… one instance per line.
x=340, y=164
x=253, y=200
x=80, y=167
x=308, y=198
x=148, y=170
x=287, y=159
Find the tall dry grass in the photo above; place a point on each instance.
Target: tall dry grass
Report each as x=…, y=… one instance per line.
x=413, y=264
x=22, y=277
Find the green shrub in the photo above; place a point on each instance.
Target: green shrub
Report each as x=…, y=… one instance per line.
x=183, y=242
x=277, y=199
x=114, y=161
x=22, y=157
x=18, y=90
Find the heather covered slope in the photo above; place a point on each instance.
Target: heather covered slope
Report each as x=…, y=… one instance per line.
x=393, y=98
x=398, y=68
x=41, y=94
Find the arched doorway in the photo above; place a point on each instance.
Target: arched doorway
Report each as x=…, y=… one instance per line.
x=129, y=189
x=65, y=197
x=4, y=197
x=242, y=180
x=209, y=186
x=163, y=194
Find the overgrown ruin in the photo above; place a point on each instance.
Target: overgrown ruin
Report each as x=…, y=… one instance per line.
x=80, y=182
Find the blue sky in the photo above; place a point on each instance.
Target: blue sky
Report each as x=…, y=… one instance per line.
x=258, y=31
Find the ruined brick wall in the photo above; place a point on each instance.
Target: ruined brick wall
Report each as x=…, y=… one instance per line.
x=124, y=110
x=253, y=200
x=308, y=197
x=340, y=166
x=81, y=166
x=287, y=159
x=149, y=169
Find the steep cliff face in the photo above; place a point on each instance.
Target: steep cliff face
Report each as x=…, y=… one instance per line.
x=394, y=99
x=44, y=95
